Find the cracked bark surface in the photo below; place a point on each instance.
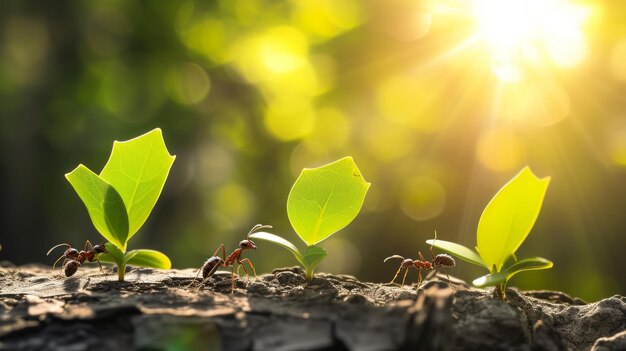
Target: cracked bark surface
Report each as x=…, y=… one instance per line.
x=155, y=310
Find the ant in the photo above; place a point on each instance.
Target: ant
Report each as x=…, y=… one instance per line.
x=74, y=258
x=214, y=262
x=439, y=261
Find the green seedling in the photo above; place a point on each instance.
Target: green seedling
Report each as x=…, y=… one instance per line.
x=504, y=225
x=120, y=199
x=321, y=202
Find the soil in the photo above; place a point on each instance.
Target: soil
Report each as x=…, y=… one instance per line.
x=156, y=310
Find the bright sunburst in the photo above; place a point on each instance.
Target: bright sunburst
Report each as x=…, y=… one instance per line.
x=522, y=33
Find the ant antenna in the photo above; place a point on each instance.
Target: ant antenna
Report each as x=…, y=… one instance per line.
x=54, y=247
x=258, y=227
x=432, y=255
x=394, y=256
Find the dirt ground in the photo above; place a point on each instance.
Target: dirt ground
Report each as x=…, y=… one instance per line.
x=157, y=310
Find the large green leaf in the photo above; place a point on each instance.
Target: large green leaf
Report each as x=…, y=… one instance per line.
x=324, y=200
x=458, y=250
x=528, y=264
x=509, y=217
x=280, y=241
x=104, y=204
x=137, y=169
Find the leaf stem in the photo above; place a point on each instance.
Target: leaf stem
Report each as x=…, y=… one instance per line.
x=501, y=291
x=121, y=270
x=309, y=272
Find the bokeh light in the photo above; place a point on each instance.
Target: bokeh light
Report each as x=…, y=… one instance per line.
x=531, y=32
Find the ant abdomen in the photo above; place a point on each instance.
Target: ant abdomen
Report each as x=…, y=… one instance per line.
x=71, y=267
x=210, y=266
x=444, y=260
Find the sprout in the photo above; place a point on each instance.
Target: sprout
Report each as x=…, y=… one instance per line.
x=321, y=202
x=120, y=199
x=504, y=225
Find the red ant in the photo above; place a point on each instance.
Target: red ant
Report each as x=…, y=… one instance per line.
x=74, y=259
x=214, y=262
x=439, y=261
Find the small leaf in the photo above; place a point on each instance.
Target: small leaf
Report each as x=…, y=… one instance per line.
x=504, y=275
x=324, y=200
x=280, y=241
x=114, y=255
x=104, y=204
x=509, y=217
x=458, y=250
x=137, y=169
x=147, y=258
x=313, y=255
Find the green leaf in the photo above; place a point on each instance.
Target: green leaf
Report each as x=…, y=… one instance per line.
x=147, y=258
x=313, y=255
x=324, y=200
x=509, y=217
x=280, y=241
x=458, y=250
x=114, y=255
x=137, y=169
x=504, y=275
x=104, y=204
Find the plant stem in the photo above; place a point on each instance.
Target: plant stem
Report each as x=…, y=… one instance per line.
x=309, y=273
x=121, y=270
x=501, y=291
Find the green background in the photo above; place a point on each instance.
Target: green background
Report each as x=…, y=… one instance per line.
x=250, y=92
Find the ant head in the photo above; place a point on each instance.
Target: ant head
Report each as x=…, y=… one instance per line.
x=247, y=244
x=444, y=260
x=100, y=249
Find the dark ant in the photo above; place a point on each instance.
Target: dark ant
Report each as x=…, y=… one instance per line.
x=439, y=261
x=74, y=258
x=214, y=262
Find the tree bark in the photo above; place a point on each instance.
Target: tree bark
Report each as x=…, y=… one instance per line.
x=157, y=310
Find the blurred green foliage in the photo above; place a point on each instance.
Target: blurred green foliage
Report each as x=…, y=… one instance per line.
x=250, y=92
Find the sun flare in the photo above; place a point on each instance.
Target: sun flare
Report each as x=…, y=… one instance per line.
x=527, y=33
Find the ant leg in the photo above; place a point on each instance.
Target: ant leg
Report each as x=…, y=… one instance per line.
x=419, y=278
x=57, y=261
x=87, y=242
x=431, y=247
x=205, y=279
x=232, y=280
x=251, y=265
x=397, y=272
x=65, y=261
x=194, y=278
x=97, y=260
x=223, y=251
x=406, y=271
x=245, y=270
x=447, y=276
